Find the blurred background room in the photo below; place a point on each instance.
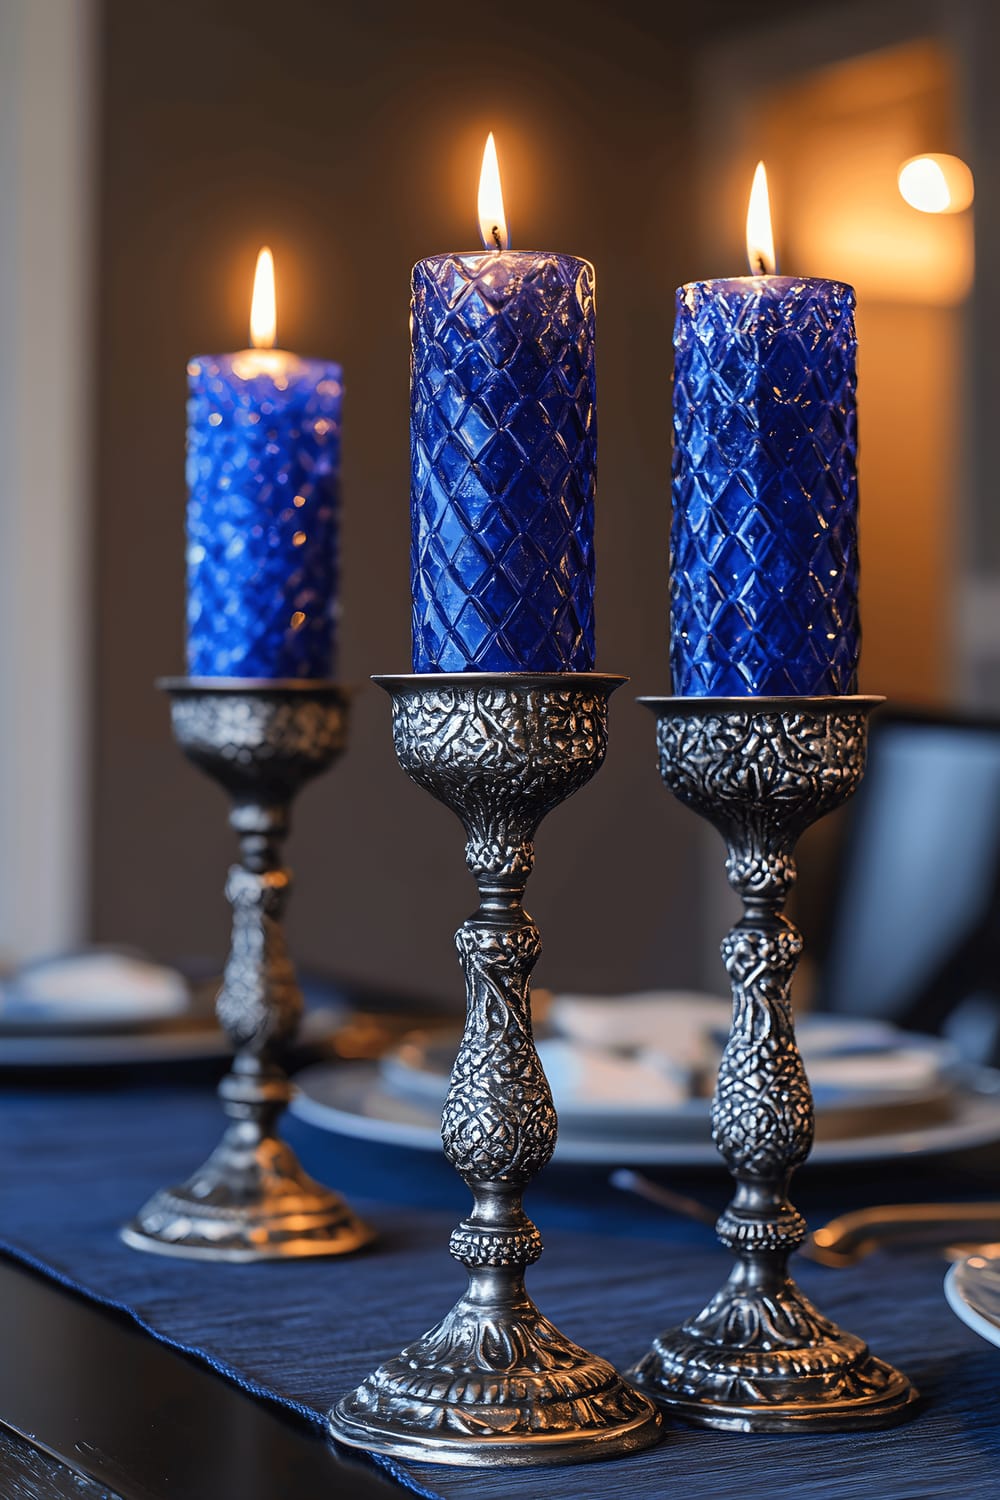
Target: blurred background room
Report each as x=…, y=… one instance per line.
x=147, y=150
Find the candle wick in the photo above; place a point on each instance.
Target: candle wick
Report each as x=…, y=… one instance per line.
x=495, y=233
x=761, y=267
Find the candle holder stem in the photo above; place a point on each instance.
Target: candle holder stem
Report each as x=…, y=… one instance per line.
x=496, y=1383
x=760, y=1357
x=251, y=1200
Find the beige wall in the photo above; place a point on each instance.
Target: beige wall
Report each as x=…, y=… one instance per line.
x=911, y=474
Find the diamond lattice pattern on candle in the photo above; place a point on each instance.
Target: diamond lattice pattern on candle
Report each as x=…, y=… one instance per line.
x=504, y=452
x=764, y=566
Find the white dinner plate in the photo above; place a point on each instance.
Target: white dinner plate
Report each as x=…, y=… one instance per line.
x=972, y=1287
x=352, y=1099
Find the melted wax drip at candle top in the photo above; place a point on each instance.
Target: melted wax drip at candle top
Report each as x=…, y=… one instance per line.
x=263, y=509
x=764, y=560
x=503, y=449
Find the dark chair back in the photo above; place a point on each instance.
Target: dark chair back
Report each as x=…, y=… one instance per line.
x=915, y=928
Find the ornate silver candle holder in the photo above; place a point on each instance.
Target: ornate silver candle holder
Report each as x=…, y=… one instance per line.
x=760, y=1357
x=495, y=1383
x=261, y=740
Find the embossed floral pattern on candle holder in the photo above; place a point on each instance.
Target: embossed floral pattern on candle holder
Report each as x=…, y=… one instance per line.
x=501, y=759
x=251, y=1200
x=495, y=1382
x=759, y=1356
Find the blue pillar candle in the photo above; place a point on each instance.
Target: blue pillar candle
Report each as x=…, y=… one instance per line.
x=764, y=542
x=263, y=477
x=503, y=449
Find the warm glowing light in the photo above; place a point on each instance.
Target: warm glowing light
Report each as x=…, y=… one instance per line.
x=263, y=316
x=492, y=223
x=936, y=184
x=760, y=236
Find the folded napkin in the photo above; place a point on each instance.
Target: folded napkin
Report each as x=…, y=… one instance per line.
x=655, y=1049
x=597, y=1078
x=662, y=1047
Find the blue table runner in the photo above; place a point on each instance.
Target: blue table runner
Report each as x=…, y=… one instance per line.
x=76, y=1165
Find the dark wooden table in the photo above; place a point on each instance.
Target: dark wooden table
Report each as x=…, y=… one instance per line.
x=28, y=1474
x=84, y=1392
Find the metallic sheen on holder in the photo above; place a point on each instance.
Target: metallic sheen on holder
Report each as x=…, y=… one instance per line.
x=495, y=1383
x=251, y=1200
x=760, y=1357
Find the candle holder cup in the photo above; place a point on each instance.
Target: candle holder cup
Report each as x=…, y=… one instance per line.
x=251, y=1200
x=496, y=1383
x=760, y=1357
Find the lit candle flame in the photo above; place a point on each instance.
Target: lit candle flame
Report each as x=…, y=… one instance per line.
x=492, y=222
x=760, y=235
x=263, y=317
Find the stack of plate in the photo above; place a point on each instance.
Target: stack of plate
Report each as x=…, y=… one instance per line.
x=632, y=1080
x=110, y=1008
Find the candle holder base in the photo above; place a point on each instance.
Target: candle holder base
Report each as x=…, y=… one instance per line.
x=251, y=1200
x=757, y=1361
x=760, y=1357
x=497, y=1387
